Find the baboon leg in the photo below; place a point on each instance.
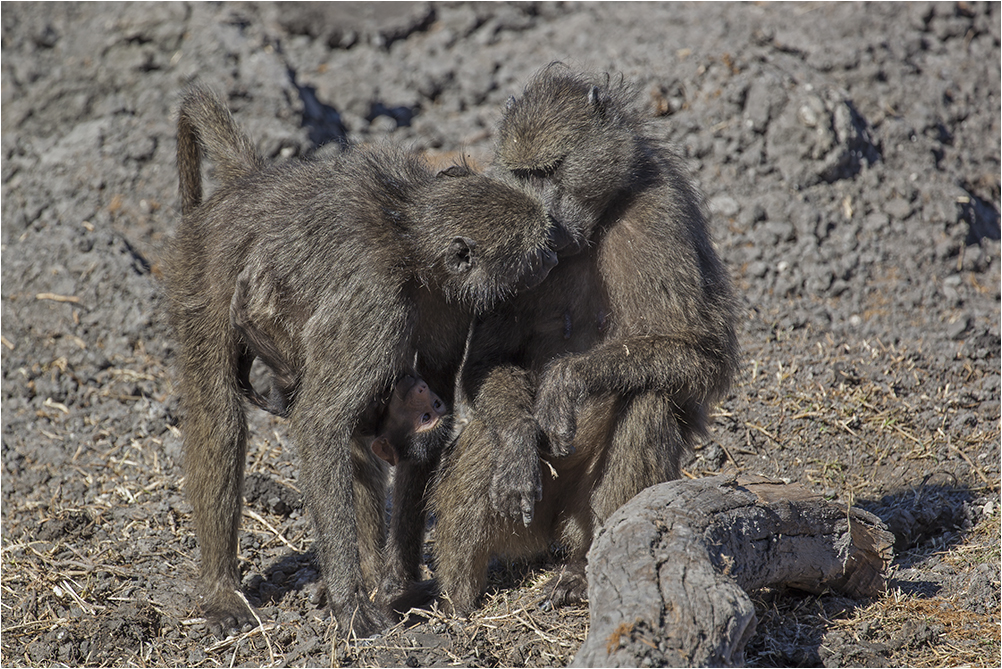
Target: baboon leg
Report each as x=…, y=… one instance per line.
x=322, y=426
x=402, y=557
x=464, y=540
x=645, y=449
x=643, y=445
x=469, y=530
x=369, y=489
x=215, y=448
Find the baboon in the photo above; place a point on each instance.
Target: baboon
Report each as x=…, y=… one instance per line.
x=358, y=268
x=409, y=421
x=592, y=387
x=402, y=427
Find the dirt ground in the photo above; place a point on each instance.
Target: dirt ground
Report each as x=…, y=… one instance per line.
x=849, y=155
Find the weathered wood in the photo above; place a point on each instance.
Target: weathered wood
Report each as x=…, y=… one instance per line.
x=669, y=572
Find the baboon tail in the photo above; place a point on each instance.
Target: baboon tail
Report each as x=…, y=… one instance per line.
x=206, y=125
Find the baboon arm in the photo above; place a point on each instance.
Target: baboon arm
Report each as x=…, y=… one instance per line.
x=505, y=404
x=686, y=371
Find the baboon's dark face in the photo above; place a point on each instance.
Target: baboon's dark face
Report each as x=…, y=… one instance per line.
x=568, y=138
x=503, y=241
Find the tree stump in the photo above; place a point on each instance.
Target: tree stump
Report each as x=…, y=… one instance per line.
x=669, y=571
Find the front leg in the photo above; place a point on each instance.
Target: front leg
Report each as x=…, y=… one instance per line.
x=322, y=424
x=504, y=405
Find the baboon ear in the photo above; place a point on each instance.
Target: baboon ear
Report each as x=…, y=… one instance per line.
x=460, y=255
x=596, y=101
x=455, y=171
x=595, y=97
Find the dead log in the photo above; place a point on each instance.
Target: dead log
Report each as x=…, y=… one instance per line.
x=669, y=572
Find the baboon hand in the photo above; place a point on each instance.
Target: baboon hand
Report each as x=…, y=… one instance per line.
x=558, y=400
x=516, y=485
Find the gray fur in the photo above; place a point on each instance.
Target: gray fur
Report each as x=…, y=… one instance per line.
x=605, y=372
x=353, y=268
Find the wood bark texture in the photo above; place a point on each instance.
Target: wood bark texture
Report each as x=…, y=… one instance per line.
x=669, y=572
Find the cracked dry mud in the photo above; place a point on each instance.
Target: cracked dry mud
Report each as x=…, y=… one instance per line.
x=850, y=158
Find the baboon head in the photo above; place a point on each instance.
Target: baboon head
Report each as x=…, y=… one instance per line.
x=501, y=238
x=413, y=413
x=574, y=138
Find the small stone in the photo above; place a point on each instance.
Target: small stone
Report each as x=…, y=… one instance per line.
x=959, y=328
x=724, y=205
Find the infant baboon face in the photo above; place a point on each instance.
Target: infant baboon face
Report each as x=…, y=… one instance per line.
x=414, y=411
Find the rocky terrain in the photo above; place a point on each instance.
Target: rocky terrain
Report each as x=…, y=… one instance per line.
x=849, y=155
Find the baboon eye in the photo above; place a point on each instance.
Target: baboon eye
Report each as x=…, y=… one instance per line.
x=426, y=418
x=437, y=405
x=538, y=173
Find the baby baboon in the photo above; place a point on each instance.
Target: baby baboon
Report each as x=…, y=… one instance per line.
x=409, y=421
x=403, y=425
x=606, y=371
x=354, y=267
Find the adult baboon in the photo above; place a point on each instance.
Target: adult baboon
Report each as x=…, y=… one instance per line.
x=607, y=371
x=357, y=268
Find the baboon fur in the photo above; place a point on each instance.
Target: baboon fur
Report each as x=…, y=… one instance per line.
x=607, y=371
x=401, y=426
x=359, y=268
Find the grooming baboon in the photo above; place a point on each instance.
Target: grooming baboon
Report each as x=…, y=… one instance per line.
x=607, y=371
x=354, y=267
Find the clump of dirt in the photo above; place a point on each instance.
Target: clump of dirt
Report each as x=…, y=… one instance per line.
x=850, y=159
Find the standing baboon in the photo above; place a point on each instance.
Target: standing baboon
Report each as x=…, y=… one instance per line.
x=606, y=371
x=355, y=267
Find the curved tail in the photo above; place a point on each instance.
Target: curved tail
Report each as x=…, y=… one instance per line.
x=206, y=125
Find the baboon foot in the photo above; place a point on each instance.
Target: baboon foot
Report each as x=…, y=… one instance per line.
x=569, y=586
x=456, y=606
x=364, y=619
x=228, y=613
x=414, y=596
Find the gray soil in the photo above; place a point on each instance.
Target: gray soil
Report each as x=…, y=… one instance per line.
x=850, y=158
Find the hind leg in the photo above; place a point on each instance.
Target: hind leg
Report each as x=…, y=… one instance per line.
x=646, y=448
x=215, y=445
x=630, y=445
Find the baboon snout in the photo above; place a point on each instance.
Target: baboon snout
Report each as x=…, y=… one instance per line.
x=560, y=236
